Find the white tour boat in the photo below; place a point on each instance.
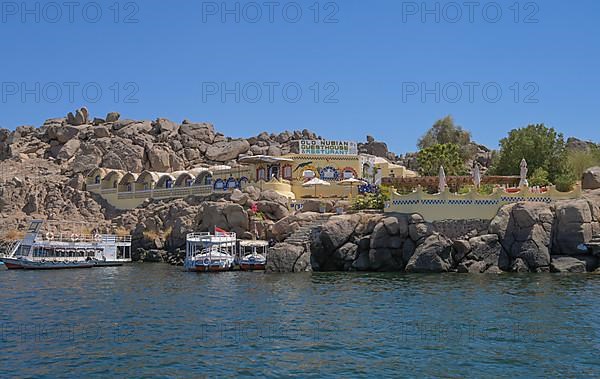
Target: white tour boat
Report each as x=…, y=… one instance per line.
x=49, y=251
x=207, y=252
x=253, y=255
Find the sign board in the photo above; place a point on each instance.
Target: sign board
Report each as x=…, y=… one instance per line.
x=328, y=147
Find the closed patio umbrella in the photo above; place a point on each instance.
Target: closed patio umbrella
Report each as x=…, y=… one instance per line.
x=476, y=176
x=442, y=178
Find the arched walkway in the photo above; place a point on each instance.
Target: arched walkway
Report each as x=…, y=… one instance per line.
x=111, y=180
x=127, y=183
x=146, y=181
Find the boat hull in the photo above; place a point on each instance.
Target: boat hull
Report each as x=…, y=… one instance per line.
x=109, y=264
x=210, y=269
x=253, y=266
x=21, y=264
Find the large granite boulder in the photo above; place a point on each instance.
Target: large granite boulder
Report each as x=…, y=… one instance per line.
x=203, y=132
x=225, y=215
x=164, y=126
x=62, y=133
x=418, y=228
x=158, y=158
x=285, y=257
x=285, y=227
x=525, y=231
x=573, y=227
x=567, y=264
x=113, y=116
x=124, y=156
x=338, y=230
x=591, y=178
x=69, y=149
x=386, y=259
x=226, y=151
x=487, y=249
x=433, y=255
x=273, y=205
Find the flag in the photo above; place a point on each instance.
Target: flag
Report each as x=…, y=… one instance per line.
x=219, y=231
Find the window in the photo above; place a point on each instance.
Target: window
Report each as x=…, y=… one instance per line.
x=287, y=172
x=261, y=173
x=219, y=184
x=231, y=183
x=273, y=172
x=97, y=179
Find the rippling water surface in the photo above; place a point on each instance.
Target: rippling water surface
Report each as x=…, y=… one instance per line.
x=156, y=321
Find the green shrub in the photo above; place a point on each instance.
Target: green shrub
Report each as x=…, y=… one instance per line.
x=565, y=183
x=539, y=178
x=370, y=201
x=486, y=189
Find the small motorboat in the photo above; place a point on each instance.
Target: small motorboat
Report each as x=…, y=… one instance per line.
x=213, y=261
x=207, y=252
x=253, y=255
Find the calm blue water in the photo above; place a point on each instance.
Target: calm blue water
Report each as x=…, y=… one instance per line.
x=149, y=320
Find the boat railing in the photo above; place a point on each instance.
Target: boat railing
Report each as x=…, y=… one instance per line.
x=84, y=238
x=11, y=248
x=207, y=235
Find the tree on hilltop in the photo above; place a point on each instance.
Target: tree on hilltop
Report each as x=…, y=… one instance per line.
x=542, y=147
x=447, y=155
x=445, y=131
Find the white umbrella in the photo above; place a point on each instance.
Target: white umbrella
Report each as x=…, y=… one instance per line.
x=442, y=177
x=476, y=176
x=352, y=182
x=523, y=182
x=315, y=182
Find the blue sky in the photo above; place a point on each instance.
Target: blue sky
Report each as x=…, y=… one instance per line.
x=385, y=68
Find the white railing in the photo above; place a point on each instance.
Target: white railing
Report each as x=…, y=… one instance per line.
x=84, y=238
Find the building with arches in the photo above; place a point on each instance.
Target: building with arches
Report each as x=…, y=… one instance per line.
x=332, y=161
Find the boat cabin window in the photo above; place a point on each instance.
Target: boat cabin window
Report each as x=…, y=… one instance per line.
x=23, y=250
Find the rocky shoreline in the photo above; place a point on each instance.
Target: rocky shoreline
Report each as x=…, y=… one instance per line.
x=41, y=176
x=523, y=237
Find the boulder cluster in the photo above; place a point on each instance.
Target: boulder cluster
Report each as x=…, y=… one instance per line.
x=81, y=144
x=523, y=237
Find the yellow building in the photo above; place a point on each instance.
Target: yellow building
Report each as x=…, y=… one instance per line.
x=331, y=161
